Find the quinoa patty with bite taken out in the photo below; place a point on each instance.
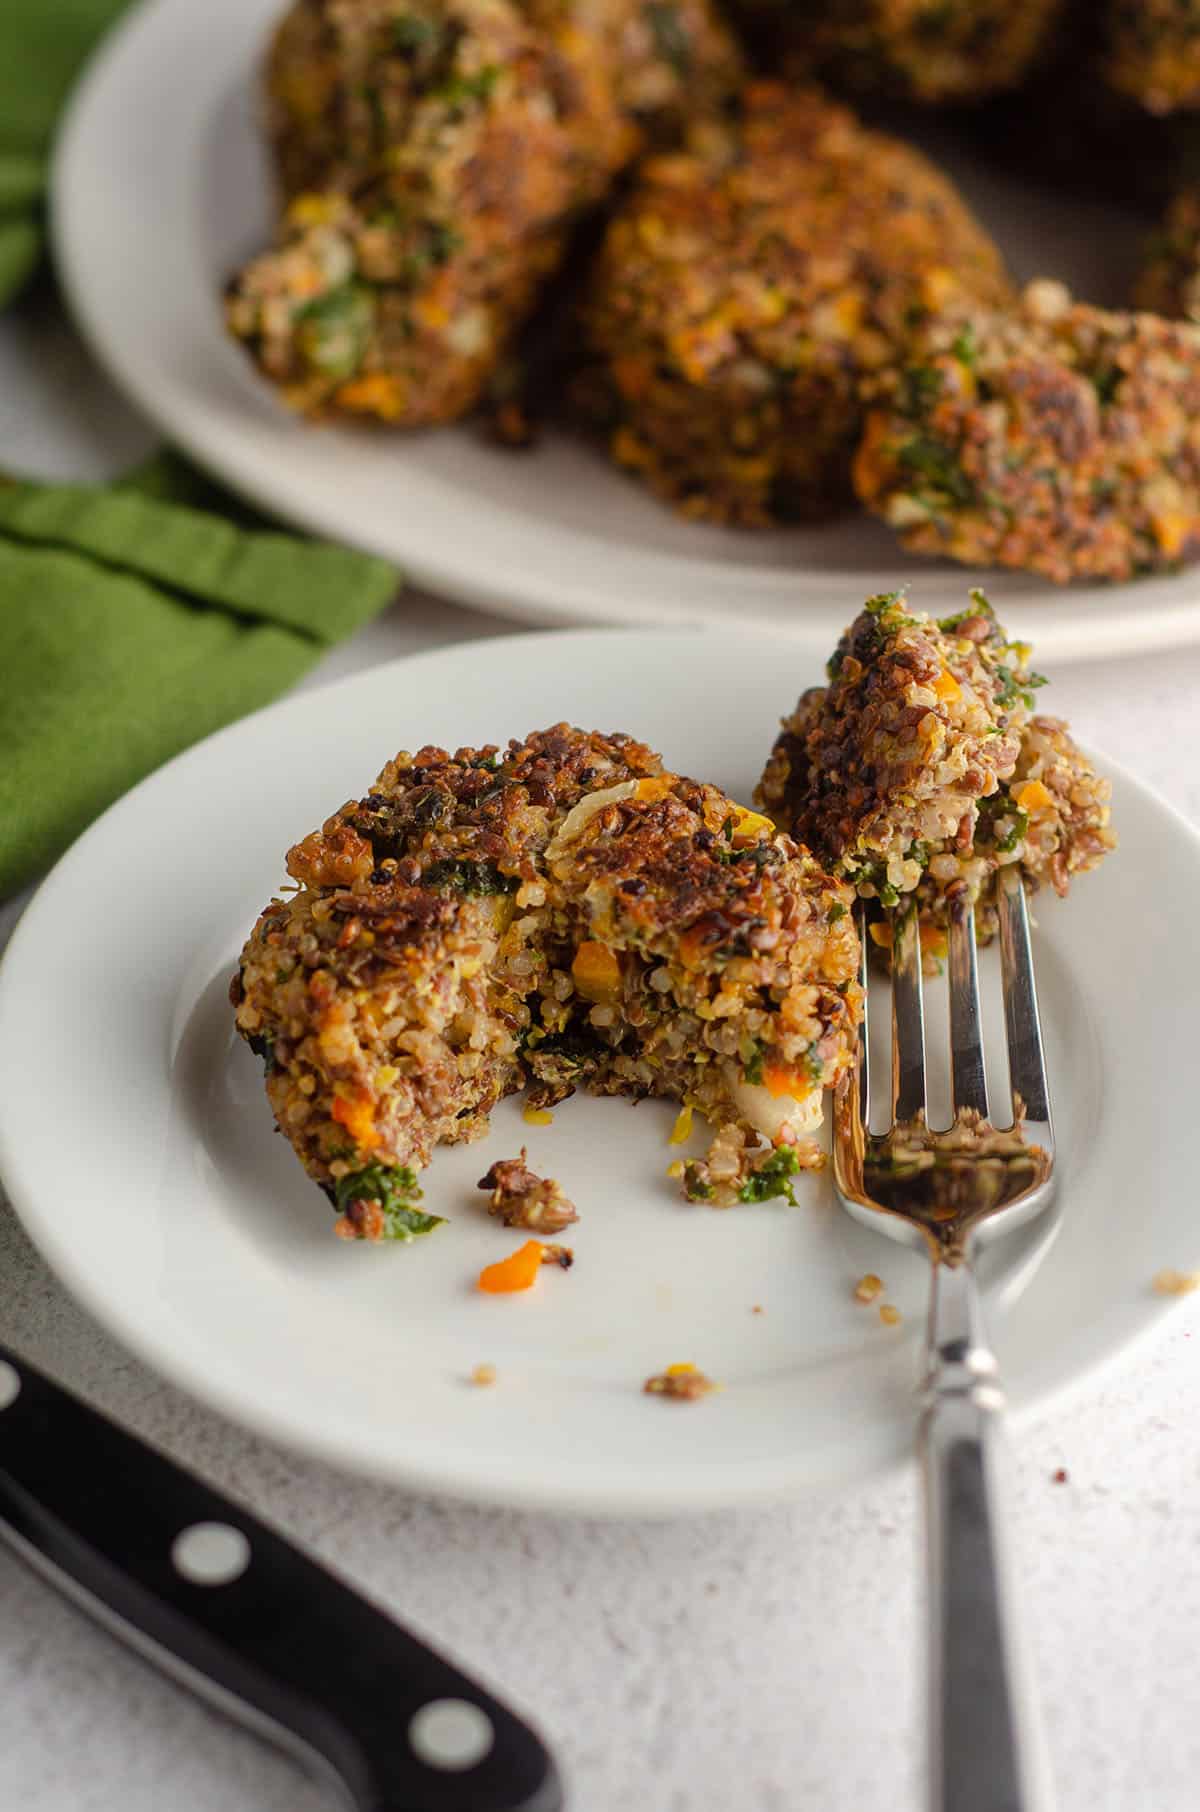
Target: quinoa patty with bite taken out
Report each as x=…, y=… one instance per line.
x=746, y=287
x=1057, y=437
x=921, y=769
x=556, y=915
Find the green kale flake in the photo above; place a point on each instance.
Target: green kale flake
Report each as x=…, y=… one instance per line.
x=413, y=36
x=920, y=388
x=884, y=601
x=772, y=1178
x=1106, y=382
x=1017, y=834
x=475, y=87
x=979, y=606
x=394, y=1189
x=836, y=911
x=332, y=332
x=1017, y=686
x=926, y=458
x=670, y=36
x=470, y=877
x=963, y=346
x=752, y=1069
x=694, y=1186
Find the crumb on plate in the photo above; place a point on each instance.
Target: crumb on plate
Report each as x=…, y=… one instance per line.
x=520, y=1198
x=682, y=1382
x=1176, y=1283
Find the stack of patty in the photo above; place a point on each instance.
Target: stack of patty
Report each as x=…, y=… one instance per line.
x=921, y=769
x=561, y=914
x=747, y=287
x=434, y=155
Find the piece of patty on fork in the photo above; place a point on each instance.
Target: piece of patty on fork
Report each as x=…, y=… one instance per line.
x=922, y=768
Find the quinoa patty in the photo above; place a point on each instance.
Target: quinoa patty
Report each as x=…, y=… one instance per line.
x=921, y=770
x=934, y=52
x=746, y=287
x=1154, y=52
x=436, y=153
x=1059, y=438
x=393, y=295
x=561, y=914
x=1169, y=281
x=343, y=76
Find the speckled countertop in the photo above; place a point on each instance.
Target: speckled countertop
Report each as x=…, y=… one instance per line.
x=766, y=1662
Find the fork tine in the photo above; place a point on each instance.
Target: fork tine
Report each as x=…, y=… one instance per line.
x=864, y=1030
x=1026, y=1060
x=966, y=1032
x=908, y=1028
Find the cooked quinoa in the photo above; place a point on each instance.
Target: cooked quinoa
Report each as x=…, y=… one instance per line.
x=1154, y=52
x=921, y=769
x=1169, y=281
x=934, y=52
x=560, y=914
x=1056, y=437
x=745, y=288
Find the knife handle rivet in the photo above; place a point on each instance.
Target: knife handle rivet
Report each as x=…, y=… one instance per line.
x=451, y=1734
x=210, y=1554
x=10, y=1384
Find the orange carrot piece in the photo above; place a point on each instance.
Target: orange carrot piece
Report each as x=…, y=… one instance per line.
x=516, y=1272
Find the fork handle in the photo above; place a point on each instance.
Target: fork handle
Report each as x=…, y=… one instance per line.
x=986, y=1753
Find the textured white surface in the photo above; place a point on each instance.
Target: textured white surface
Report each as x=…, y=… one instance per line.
x=764, y=1662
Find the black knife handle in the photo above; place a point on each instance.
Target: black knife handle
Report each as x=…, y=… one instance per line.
x=274, y=1637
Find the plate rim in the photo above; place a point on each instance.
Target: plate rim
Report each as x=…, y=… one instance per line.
x=571, y=1495
x=687, y=589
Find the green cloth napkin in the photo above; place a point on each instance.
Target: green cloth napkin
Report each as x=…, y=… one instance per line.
x=134, y=617
x=130, y=626
x=43, y=43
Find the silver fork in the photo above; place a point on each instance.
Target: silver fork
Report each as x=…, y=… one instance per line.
x=945, y=1192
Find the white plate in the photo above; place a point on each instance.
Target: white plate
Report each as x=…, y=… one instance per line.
x=161, y=188
x=136, y=1141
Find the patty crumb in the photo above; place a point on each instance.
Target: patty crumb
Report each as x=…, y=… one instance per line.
x=1061, y=1476
x=563, y=1256
x=483, y=1375
x=758, y=1309
x=889, y=1314
x=868, y=1288
x=682, y=1382
x=1176, y=1283
x=520, y=1198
